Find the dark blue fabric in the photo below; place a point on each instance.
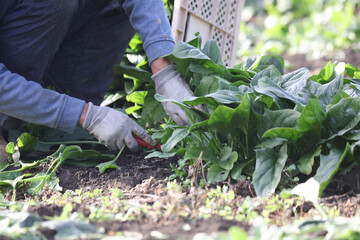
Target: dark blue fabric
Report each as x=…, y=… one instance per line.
x=5, y=6
x=72, y=45
x=67, y=43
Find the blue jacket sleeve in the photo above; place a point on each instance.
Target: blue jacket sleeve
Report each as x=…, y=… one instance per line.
x=148, y=18
x=28, y=101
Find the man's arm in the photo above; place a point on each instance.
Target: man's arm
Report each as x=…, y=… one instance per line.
x=159, y=64
x=28, y=101
x=149, y=19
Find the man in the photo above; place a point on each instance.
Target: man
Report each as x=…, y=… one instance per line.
x=73, y=45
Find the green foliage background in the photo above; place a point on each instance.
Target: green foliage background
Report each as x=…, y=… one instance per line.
x=317, y=28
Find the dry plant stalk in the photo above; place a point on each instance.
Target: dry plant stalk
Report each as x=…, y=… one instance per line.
x=194, y=171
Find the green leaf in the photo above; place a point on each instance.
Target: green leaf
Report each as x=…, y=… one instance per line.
x=270, y=72
x=236, y=172
x=200, y=125
x=310, y=122
x=227, y=162
x=241, y=115
x=225, y=153
x=3, y=166
x=269, y=165
x=10, y=148
x=184, y=54
x=110, y=164
x=327, y=92
x=185, y=51
x=70, y=151
x=86, y=155
x=177, y=136
x=161, y=98
x=137, y=97
x=196, y=42
x=133, y=109
x=153, y=110
x=351, y=90
x=106, y=165
x=294, y=82
x=160, y=155
x=306, y=161
x=353, y=135
x=194, y=153
x=9, y=175
x=139, y=74
x=286, y=118
x=27, y=143
x=212, y=50
x=273, y=60
x=207, y=85
x=216, y=98
x=194, y=115
x=342, y=117
x=326, y=74
x=271, y=143
x=113, y=97
x=338, y=96
x=311, y=118
x=352, y=150
x=291, y=134
x=269, y=81
x=136, y=43
x=216, y=173
x=357, y=75
x=352, y=71
x=329, y=165
x=221, y=119
x=268, y=85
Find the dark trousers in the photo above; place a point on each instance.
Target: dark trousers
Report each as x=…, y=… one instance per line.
x=69, y=44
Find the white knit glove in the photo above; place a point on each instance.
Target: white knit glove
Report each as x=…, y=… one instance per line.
x=114, y=128
x=169, y=83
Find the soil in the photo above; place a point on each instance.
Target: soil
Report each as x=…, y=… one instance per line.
x=134, y=170
x=137, y=177
x=145, y=178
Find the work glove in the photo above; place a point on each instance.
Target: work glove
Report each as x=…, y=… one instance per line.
x=114, y=128
x=169, y=83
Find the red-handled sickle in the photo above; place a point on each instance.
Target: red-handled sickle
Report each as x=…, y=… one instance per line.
x=146, y=145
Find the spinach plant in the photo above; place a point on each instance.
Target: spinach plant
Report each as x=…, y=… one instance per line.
x=32, y=175
x=259, y=122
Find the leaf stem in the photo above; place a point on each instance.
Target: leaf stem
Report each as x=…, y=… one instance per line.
x=247, y=146
x=33, y=179
x=36, y=162
x=71, y=142
x=216, y=147
x=198, y=137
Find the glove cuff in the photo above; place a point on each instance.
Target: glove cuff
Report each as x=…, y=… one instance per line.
x=93, y=116
x=164, y=75
x=88, y=118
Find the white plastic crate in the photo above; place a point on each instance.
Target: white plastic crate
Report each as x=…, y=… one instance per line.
x=214, y=19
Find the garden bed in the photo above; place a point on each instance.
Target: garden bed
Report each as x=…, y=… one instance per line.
x=143, y=184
